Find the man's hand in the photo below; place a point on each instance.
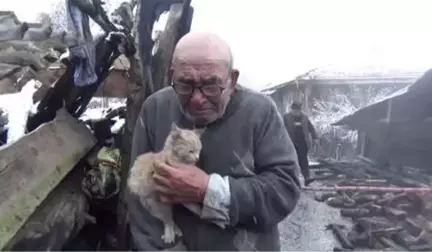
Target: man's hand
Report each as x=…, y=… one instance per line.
x=180, y=183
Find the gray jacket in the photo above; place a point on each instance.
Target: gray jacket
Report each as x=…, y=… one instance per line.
x=253, y=176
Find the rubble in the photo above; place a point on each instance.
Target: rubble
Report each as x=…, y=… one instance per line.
x=390, y=207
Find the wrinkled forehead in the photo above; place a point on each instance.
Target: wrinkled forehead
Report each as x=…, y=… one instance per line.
x=197, y=68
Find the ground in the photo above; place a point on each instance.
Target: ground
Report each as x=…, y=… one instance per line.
x=305, y=228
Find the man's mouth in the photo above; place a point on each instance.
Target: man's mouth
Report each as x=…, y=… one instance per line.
x=200, y=111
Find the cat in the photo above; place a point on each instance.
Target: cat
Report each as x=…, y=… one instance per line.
x=182, y=146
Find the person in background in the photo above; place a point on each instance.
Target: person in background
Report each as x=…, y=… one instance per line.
x=301, y=130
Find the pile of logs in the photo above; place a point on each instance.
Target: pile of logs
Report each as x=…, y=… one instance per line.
x=390, y=207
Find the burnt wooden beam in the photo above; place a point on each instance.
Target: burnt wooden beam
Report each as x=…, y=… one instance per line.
x=34, y=165
x=341, y=236
x=166, y=43
x=57, y=220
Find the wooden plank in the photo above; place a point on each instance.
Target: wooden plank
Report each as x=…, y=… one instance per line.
x=33, y=166
x=56, y=220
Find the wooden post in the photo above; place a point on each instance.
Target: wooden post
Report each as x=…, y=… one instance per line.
x=167, y=41
x=148, y=74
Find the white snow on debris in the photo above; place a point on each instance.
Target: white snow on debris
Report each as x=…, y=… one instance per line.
x=18, y=106
x=98, y=107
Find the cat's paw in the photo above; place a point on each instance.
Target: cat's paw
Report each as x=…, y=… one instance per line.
x=169, y=234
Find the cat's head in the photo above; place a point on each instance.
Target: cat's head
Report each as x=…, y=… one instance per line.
x=184, y=144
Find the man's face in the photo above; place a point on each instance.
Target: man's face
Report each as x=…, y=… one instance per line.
x=204, y=88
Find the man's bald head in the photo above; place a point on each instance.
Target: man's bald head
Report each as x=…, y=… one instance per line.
x=203, y=76
x=202, y=45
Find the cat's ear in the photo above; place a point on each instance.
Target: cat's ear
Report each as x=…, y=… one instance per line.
x=199, y=131
x=174, y=127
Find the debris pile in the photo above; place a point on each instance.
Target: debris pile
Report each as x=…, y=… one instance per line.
x=27, y=50
x=390, y=207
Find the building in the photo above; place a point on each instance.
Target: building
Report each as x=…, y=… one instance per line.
x=398, y=129
x=330, y=93
x=324, y=83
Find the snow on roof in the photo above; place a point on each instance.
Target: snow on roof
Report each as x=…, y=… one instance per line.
x=340, y=72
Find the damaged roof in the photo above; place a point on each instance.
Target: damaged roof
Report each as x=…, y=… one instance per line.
x=350, y=75
x=412, y=102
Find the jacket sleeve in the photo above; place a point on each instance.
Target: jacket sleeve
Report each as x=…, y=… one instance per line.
x=145, y=230
x=312, y=129
x=263, y=200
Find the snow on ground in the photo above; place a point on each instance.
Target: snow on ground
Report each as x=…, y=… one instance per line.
x=305, y=228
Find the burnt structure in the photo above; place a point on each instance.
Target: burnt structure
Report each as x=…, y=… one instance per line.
x=397, y=130
x=322, y=83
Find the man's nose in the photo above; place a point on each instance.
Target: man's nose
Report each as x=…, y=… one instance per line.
x=197, y=98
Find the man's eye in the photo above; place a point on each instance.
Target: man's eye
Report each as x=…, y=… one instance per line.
x=212, y=88
x=183, y=87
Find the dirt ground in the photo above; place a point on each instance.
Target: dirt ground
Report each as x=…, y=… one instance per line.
x=305, y=228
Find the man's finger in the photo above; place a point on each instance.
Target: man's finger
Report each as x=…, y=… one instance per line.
x=162, y=168
x=178, y=166
x=172, y=163
x=161, y=180
x=164, y=191
x=158, y=163
x=165, y=199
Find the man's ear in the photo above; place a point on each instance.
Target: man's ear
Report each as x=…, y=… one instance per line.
x=234, y=77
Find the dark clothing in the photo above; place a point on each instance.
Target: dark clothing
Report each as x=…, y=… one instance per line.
x=306, y=125
x=302, y=155
x=298, y=137
x=250, y=145
x=301, y=130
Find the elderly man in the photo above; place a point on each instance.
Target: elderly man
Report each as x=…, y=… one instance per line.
x=246, y=180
